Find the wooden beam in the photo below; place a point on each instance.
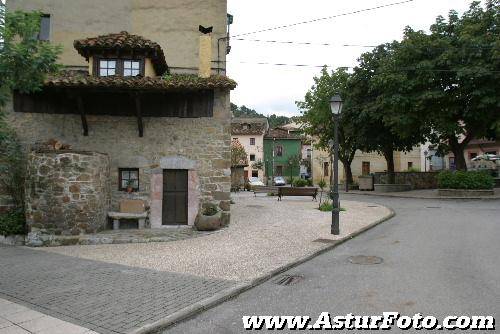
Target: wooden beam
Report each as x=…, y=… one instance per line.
x=83, y=116
x=139, y=114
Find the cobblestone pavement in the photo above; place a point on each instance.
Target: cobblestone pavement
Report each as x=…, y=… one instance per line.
x=107, y=298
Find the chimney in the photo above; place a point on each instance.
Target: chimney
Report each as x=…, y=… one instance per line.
x=205, y=53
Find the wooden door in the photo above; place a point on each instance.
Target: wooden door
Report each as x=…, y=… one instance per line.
x=175, y=197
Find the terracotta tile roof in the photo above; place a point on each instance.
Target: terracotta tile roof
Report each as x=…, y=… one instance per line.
x=279, y=133
x=248, y=126
x=123, y=41
x=170, y=82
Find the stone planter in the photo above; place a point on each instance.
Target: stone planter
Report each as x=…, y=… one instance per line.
x=465, y=192
x=209, y=223
x=12, y=240
x=390, y=188
x=365, y=182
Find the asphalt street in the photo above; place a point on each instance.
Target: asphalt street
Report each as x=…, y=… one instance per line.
x=440, y=258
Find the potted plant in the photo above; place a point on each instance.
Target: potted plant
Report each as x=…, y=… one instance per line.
x=130, y=186
x=209, y=219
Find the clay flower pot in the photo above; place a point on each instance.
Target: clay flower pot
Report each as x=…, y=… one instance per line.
x=208, y=223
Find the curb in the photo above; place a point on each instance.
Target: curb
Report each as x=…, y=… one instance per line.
x=239, y=288
x=485, y=198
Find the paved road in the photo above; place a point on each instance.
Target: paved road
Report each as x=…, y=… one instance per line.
x=107, y=298
x=440, y=258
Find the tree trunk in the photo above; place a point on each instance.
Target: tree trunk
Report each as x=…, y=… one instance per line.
x=458, y=152
x=389, y=158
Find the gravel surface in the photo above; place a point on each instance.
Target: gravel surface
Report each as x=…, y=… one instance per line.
x=264, y=234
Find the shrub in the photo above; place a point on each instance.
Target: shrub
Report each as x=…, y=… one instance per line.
x=322, y=184
x=465, y=180
x=328, y=206
x=210, y=209
x=413, y=170
x=299, y=183
x=309, y=182
x=12, y=222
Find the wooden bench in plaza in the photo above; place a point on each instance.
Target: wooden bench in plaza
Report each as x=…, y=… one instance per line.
x=264, y=190
x=297, y=191
x=130, y=209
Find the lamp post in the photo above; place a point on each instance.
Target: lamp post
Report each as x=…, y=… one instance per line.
x=336, y=108
x=425, y=160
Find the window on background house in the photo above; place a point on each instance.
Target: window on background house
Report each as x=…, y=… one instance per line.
x=44, y=34
x=279, y=151
x=107, y=67
x=252, y=157
x=279, y=171
x=128, y=177
x=131, y=68
x=410, y=164
x=252, y=141
x=255, y=173
x=472, y=155
x=365, y=168
x=326, y=168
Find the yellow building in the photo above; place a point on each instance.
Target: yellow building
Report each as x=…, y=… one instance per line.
x=363, y=164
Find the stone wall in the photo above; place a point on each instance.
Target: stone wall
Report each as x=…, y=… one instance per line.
x=67, y=192
x=418, y=180
x=205, y=142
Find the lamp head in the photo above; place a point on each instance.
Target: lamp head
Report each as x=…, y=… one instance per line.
x=336, y=104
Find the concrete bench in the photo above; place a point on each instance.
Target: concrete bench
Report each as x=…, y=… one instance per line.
x=264, y=190
x=130, y=209
x=297, y=191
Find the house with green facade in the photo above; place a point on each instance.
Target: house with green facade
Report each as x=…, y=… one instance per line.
x=282, y=153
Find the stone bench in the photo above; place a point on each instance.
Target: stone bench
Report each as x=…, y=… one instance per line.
x=130, y=209
x=116, y=216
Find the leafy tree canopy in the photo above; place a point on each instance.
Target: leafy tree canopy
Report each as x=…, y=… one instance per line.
x=273, y=120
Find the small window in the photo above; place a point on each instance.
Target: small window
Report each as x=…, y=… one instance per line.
x=410, y=165
x=279, y=151
x=44, y=34
x=252, y=157
x=129, y=177
x=365, y=168
x=255, y=173
x=326, y=168
x=252, y=141
x=107, y=67
x=472, y=155
x=131, y=68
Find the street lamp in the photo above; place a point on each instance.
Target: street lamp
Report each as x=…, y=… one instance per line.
x=425, y=160
x=336, y=108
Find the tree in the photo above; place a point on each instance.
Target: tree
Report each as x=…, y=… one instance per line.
x=238, y=154
x=293, y=162
x=367, y=109
x=317, y=118
x=273, y=120
x=448, y=79
x=24, y=63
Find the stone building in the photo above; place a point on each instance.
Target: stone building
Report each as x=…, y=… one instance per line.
x=143, y=91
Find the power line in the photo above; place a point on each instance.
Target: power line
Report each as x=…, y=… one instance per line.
x=478, y=47
x=402, y=69
x=325, y=18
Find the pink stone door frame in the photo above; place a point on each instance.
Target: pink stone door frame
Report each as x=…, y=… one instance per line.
x=156, y=209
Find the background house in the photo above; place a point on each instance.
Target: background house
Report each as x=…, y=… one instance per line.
x=146, y=95
x=250, y=133
x=280, y=147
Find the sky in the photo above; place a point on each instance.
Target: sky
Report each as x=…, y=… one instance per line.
x=274, y=89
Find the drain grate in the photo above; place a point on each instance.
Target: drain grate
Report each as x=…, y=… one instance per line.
x=373, y=206
x=365, y=259
x=325, y=241
x=288, y=279
x=255, y=206
x=433, y=207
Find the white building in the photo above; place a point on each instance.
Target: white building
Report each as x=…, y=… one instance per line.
x=250, y=133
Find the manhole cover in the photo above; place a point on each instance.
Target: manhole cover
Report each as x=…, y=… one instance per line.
x=288, y=279
x=365, y=259
x=255, y=206
x=325, y=241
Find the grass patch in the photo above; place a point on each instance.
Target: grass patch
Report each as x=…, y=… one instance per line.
x=327, y=206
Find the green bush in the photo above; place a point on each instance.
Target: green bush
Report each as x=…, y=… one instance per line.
x=309, y=182
x=12, y=222
x=327, y=206
x=299, y=183
x=413, y=170
x=210, y=209
x=465, y=180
